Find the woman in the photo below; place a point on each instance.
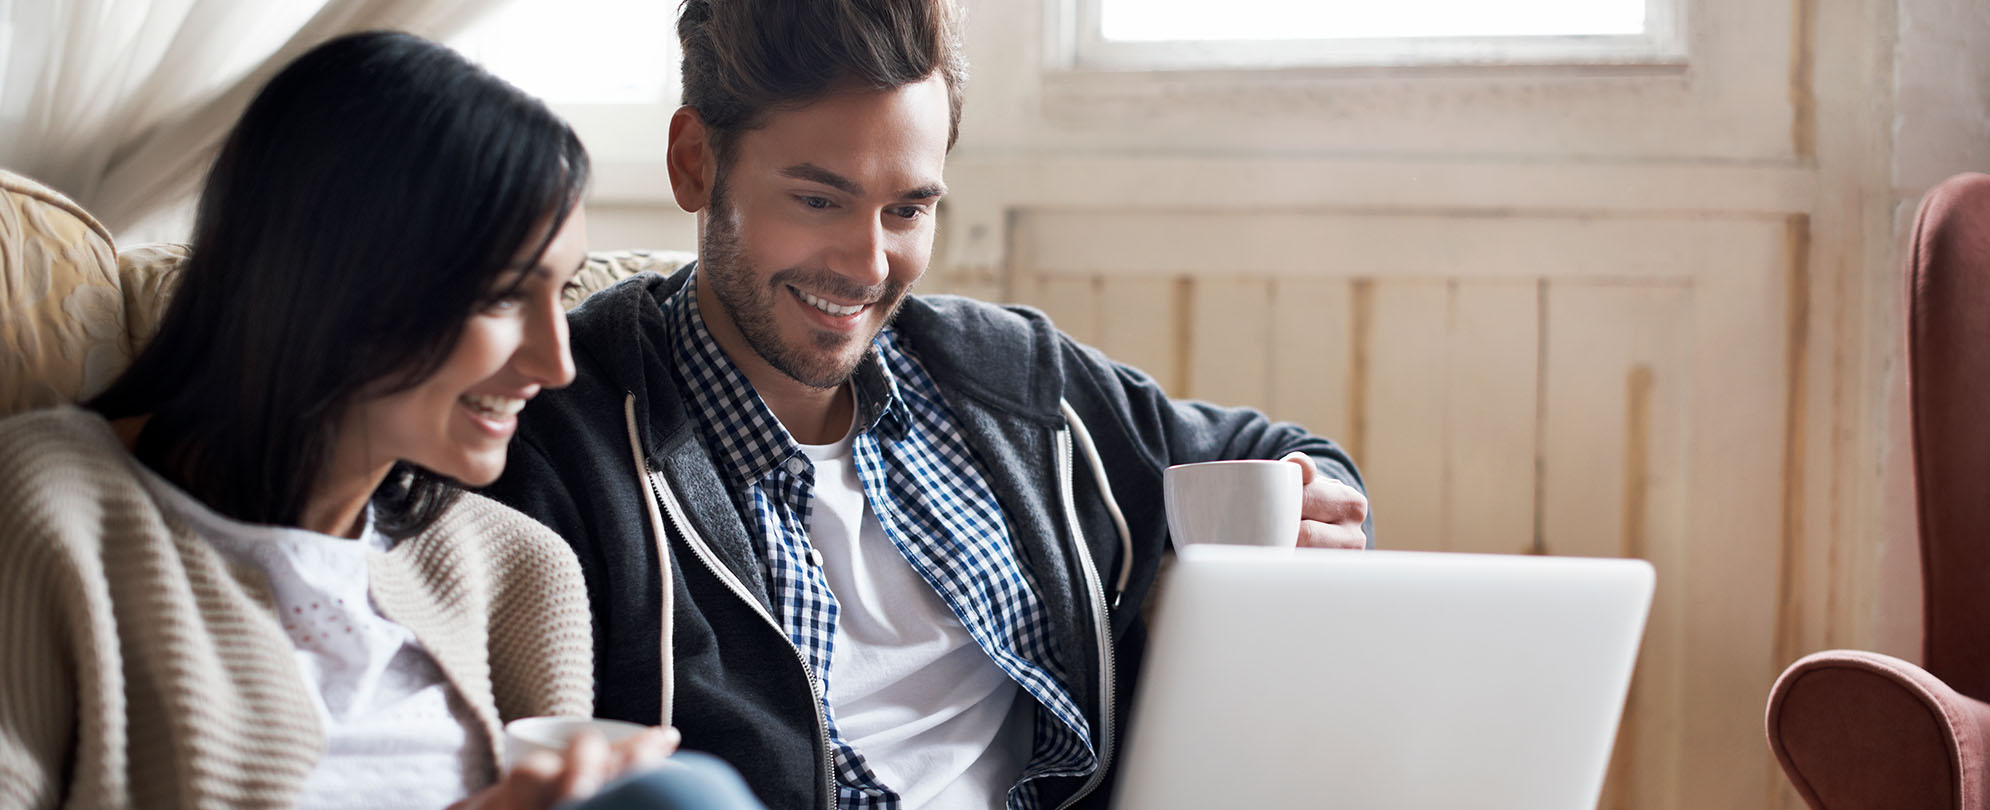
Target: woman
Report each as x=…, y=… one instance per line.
x=245, y=575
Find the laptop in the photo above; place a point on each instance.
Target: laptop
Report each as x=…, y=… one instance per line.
x=1383, y=680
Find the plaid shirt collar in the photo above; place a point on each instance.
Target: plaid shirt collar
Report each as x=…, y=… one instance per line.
x=753, y=442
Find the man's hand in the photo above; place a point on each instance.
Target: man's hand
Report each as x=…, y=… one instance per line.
x=541, y=780
x=1330, y=512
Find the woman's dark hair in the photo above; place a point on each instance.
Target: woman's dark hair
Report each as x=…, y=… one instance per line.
x=360, y=212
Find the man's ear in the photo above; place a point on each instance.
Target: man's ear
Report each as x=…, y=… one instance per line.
x=689, y=157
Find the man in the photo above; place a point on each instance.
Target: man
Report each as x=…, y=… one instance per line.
x=875, y=550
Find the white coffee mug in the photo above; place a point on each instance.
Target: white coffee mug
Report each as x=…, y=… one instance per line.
x=526, y=735
x=1249, y=503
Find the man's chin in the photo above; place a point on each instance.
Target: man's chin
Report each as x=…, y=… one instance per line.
x=828, y=363
x=823, y=376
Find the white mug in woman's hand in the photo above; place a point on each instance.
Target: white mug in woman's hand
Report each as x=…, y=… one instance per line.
x=527, y=735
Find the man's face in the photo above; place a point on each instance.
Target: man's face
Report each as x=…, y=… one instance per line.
x=818, y=225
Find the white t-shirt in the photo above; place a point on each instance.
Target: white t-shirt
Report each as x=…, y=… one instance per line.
x=933, y=716
x=396, y=733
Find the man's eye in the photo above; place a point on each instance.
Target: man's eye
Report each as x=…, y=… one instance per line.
x=908, y=211
x=817, y=203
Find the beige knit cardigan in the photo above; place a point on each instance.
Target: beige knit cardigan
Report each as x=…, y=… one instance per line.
x=140, y=669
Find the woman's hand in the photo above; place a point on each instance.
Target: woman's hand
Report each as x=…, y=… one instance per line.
x=541, y=780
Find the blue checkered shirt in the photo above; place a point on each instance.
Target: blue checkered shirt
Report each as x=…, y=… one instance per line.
x=927, y=490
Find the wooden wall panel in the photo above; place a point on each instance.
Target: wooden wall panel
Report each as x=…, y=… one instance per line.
x=1490, y=417
x=1071, y=303
x=1403, y=445
x=1613, y=416
x=1744, y=371
x=1560, y=385
x=1313, y=354
x=1229, y=357
x=1139, y=325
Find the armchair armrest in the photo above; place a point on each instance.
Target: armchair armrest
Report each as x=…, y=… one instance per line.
x=1858, y=730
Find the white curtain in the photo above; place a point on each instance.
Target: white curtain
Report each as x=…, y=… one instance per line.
x=121, y=104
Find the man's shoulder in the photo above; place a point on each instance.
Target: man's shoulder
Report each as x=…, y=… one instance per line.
x=998, y=352
x=942, y=313
x=611, y=315
x=972, y=330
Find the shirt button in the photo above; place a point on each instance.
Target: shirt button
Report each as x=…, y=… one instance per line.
x=815, y=557
x=797, y=466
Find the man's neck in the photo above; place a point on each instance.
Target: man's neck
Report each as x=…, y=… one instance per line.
x=811, y=415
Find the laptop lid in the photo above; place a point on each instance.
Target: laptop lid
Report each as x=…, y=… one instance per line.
x=1383, y=680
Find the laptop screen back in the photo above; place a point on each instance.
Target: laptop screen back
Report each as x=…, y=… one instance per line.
x=1383, y=681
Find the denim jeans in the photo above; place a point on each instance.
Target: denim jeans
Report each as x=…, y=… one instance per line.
x=688, y=780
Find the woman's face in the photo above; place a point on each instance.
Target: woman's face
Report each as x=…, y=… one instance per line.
x=458, y=421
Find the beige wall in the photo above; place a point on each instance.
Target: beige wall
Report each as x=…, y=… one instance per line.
x=1639, y=311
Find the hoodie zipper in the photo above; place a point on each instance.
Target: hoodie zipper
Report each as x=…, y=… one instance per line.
x=666, y=499
x=1101, y=623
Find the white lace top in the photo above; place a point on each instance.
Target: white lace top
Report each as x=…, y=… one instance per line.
x=396, y=733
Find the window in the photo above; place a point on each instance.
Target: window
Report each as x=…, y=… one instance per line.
x=581, y=52
x=1199, y=34
x=610, y=67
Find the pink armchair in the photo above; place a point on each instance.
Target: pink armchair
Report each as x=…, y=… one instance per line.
x=1858, y=730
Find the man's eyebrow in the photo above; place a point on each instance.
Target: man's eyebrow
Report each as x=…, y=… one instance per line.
x=812, y=173
x=809, y=172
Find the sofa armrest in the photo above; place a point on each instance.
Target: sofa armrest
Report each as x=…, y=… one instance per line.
x=1857, y=730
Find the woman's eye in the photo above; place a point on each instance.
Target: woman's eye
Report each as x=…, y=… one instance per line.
x=503, y=303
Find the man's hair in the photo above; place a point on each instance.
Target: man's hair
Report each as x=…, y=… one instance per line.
x=743, y=58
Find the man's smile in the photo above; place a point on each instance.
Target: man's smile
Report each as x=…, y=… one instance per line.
x=827, y=306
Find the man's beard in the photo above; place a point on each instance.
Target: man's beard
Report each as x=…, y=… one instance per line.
x=829, y=361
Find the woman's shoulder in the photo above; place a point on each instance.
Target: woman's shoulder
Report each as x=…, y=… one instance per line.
x=499, y=539
x=65, y=481
x=63, y=450
x=475, y=515
x=64, y=427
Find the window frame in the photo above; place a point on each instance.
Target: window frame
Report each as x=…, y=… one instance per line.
x=1077, y=44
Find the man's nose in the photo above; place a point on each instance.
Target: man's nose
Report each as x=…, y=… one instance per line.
x=863, y=256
